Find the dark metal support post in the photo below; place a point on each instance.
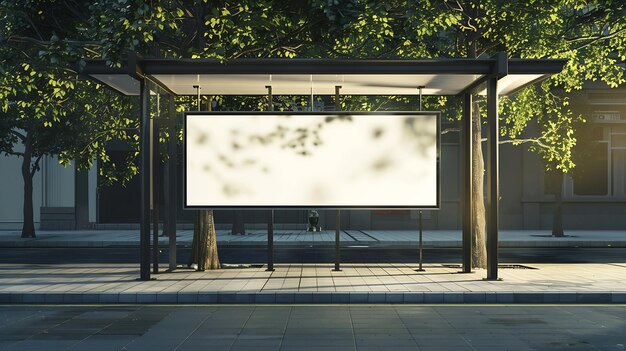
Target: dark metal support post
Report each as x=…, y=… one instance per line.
x=466, y=183
x=270, y=242
x=421, y=245
x=421, y=236
x=270, y=102
x=337, y=241
x=311, y=97
x=171, y=172
x=156, y=163
x=492, y=179
x=270, y=223
x=338, y=214
x=144, y=174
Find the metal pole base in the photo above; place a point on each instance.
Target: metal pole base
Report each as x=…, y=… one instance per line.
x=337, y=241
x=144, y=280
x=270, y=242
x=421, y=237
x=461, y=272
x=492, y=280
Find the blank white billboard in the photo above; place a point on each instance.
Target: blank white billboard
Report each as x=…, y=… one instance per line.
x=311, y=160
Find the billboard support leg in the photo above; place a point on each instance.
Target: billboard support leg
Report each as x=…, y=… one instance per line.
x=270, y=242
x=338, y=214
x=337, y=242
x=421, y=238
x=270, y=224
x=421, y=245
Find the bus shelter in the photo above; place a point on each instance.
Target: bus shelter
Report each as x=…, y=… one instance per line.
x=165, y=78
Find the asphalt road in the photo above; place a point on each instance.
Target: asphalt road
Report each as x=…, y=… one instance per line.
x=314, y=255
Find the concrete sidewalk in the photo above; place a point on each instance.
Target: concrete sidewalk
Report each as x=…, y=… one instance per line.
x=312, y=283
x=371, y=238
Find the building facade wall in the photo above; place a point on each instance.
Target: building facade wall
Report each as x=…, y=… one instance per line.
x=526, y=202
x=12, y=193
x=53, y=193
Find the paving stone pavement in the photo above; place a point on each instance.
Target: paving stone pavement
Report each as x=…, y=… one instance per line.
x=372, y=238
x=311, y=283
x=300, y=328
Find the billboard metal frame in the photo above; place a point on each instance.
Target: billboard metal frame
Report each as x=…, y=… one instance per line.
x=298, y=113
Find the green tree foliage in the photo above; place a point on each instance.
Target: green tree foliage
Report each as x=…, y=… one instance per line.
x=45, y=109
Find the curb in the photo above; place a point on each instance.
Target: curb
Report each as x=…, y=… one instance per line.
x=28, y=244
x=316, y=298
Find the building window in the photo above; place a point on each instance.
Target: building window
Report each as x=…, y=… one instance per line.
x=600, y=158
x=591, y=174
x=618, y=164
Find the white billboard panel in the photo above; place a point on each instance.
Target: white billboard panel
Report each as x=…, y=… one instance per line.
x=311, y=160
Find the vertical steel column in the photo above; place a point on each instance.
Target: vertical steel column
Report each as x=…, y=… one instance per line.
x=171, y=171
x=270, y=103
x=311, y=97
x=270, y=242
x=270, y=223
x=338, y=214
x=337, y=101
x=144, y=179
x=337, y=241
x=198, y=101
x=421, y=246
x=421, y=234
x=466, y=182
x=156, y=163
x=492, y=179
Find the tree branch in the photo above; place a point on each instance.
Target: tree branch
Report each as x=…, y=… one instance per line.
x=537, y=141
x=19, y=135
x=35, y=166
x=596, y=37
x=20, y=39
x=451, y=130
x=15, y=153
x=30, y=20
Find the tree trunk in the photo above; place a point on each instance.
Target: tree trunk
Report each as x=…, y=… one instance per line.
x=28, y=227
x=557, y=221
x=479, y=246
x=204, y=244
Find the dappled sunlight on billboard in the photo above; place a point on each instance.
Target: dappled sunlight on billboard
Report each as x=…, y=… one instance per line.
x=348, y=160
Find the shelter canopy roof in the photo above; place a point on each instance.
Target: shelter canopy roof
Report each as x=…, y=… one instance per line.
x=320, y=76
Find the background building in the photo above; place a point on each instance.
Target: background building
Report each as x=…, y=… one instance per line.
x=66, y=199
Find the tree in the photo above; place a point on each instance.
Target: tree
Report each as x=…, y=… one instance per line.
x=46, y=110
x=590, y=35
x=41, y=117
x=21, y=125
